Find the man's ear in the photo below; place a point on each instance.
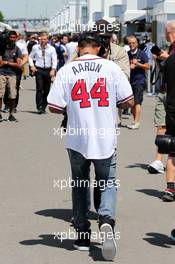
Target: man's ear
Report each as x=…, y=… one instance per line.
x=98, y=49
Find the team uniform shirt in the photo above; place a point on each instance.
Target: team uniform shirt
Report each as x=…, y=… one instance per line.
x=89, y=89
x=45, y=58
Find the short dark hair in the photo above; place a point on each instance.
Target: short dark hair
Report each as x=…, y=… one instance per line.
x=87, y=39
x=64, y=35
x=75, y=38
x=12, y=32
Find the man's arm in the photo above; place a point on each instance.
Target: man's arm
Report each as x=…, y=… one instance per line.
x=25, y=58
x=31, y=57
x=54, y=63
x=127, y=104
x=136, y=64
x=16, y=64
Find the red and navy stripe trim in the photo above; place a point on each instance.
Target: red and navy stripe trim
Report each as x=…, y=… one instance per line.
x=125, y=99
x=56, y=106
x=88, y=59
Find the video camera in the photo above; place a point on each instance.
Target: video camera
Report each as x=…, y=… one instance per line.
x=165, y=144
x=156, y=50
x=4, y=36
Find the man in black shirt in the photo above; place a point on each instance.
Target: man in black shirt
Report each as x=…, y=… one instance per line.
x=10, y=61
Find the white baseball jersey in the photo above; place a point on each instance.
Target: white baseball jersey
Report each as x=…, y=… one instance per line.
x=90, y=87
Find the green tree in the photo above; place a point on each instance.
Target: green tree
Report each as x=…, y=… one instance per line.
x=1, y=17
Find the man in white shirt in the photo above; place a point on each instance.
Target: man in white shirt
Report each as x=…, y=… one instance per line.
x=44, y=69
x=90, y=87
x=72, y=48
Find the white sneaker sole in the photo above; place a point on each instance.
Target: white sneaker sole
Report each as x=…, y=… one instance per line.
x=109, y=247
x=81, y=248
x=153, y=170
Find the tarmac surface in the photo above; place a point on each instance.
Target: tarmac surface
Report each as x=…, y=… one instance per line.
x=34, y=210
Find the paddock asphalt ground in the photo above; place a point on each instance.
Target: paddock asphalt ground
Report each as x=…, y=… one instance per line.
x=34, y=211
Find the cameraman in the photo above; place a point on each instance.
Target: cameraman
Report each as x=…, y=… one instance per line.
x=10, y=60
x=169, y=78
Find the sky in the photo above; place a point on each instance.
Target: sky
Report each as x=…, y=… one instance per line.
x=30, y=8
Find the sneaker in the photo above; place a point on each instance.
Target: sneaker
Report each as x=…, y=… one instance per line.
x=169, y=195
x=6, y=109
x=120, y=124
x=72, y=221
x=12, y=118
x=44, y=111
x=15, y=110
x=109, y=247
x=134, y=126
x=173, y=235
x=40, y=110
x=83, y=241
x=156, y=167
x=1, y=119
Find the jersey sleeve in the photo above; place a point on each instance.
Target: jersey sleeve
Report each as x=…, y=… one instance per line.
x=123, y=88
x=57, y=96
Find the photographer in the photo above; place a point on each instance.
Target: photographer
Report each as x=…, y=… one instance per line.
x=10, y=60
x=169, y=75
x=166, y=143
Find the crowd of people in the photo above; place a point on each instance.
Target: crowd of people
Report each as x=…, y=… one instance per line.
x=83, y=59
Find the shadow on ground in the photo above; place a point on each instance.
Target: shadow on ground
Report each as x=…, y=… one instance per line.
x=138, y=165
x=67, y=244
x=30, y=112
x=159, y=240
x=63, y=214
x=151, y=192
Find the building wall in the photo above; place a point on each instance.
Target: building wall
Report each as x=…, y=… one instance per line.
x=163, y=11
x=93, y=6
x=106, y=4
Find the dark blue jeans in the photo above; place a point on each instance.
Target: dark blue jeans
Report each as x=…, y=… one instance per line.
x=105, y=170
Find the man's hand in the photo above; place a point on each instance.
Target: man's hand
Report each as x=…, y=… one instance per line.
x=135, y=61
x=33, y=69
x=2, y=63
x=132, y=66
x=52, y=73
x=163, y=56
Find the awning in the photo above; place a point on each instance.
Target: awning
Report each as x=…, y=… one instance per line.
x=132, y=16
x=4, y=26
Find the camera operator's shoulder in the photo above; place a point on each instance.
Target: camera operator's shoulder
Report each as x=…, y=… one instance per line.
x=117, y=50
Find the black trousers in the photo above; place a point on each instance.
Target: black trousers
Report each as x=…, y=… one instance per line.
x=43, y=82
x=6, y=95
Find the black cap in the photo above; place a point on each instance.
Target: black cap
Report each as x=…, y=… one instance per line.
x=103, y=27
x=89, y=36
